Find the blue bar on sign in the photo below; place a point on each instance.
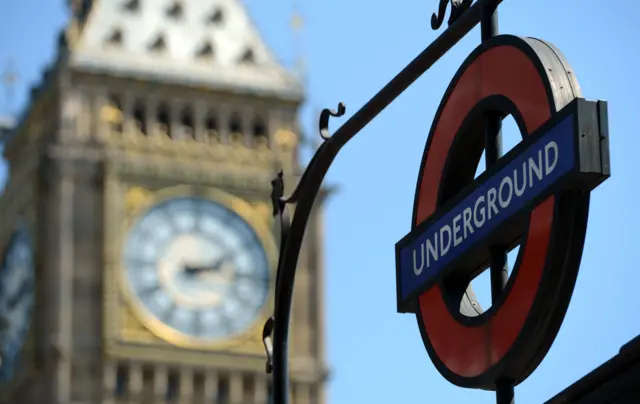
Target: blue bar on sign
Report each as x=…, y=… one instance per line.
x=541, y=165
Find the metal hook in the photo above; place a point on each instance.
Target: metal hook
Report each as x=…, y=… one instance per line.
x=324, y=133
x=277, y=191
x=279, y=205
x=267, y=340
x=457, y=8
x=324, y=119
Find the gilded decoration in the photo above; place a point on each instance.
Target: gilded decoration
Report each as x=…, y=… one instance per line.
x=264, y=210
x=111, y=114
x=286, y=139
x=134, y=324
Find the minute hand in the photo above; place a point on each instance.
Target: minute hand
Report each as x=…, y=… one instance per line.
x=251, y=277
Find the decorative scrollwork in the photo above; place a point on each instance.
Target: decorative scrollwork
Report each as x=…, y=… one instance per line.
x=311, y=177
x=325, y=135
x=458, y=7
x=324, y=119
x=280, y=211
x=267, y=340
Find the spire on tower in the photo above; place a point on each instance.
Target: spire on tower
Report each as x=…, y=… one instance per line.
x=9, y=80
x=297, y=27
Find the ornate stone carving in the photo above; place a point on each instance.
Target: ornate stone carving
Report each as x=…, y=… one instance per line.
x=285, y=139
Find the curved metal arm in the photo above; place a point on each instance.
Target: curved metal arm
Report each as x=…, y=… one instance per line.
x=275, y=333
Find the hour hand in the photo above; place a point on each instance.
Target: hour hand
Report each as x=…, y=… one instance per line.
x=196, y=269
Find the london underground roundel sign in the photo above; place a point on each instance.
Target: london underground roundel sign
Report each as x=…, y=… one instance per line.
x=537, y=195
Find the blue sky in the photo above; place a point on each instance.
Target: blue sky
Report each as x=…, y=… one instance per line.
x=354, y=47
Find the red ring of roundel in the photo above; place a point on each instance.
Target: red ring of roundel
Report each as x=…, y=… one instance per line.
x=471, y=351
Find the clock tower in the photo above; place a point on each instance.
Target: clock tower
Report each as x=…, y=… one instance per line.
x=138, y=247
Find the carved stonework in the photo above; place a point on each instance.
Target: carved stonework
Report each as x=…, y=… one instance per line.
x=286, y=139
x=93, y=153
x=209, y=153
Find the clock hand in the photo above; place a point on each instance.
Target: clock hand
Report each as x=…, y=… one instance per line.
x=251, y=277
x=193, y=270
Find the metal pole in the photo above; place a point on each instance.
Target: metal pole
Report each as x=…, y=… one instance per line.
x=493, y=151
x=275, y=333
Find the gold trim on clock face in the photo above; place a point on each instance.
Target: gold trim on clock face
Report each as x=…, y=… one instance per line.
x=196, y=267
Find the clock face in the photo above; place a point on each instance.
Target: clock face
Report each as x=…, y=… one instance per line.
x=16, y=300
x=197, y=268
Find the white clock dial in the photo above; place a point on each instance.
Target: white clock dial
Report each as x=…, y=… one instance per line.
x=197, y=267
x=16, y=300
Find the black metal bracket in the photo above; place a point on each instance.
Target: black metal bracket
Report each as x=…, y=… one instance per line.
x=458, y=7
x=279, y=204
x=275, y=334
